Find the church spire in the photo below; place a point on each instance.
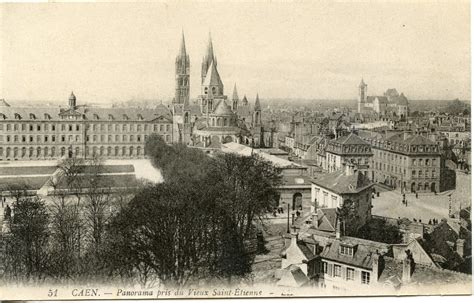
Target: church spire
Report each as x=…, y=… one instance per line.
x=257, y=104
x=182, y=52
x=208, y=59
x=182, y=74
x=235, y=95
x=235, y=98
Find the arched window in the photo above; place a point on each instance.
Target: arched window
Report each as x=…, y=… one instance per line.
x=131, y=150
x=213, y=90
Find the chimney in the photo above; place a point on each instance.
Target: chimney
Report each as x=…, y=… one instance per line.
x=349, y=169
x=376, y=262
x=294, y=238
x=460, y=247
x=338, y=229
x=407, y=267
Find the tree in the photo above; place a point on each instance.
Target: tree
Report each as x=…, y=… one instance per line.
x=26, y=255
x=380, y=231
x=66, y=225
x=176, y=234
x=248, y=186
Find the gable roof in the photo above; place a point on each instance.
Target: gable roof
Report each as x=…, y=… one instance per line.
x=327, y=218
x=363, y=255
x=341, y=183
x=293, y=276
x=351, y=139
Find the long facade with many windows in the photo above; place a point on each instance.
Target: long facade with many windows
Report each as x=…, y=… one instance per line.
x=410, y=162
x=31, y=133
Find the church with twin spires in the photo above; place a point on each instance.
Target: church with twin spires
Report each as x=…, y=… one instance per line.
x=212, y=118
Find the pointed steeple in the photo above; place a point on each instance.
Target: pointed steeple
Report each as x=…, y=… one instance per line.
x=257, y=104
x=210, y=51
x=235, y=95
x=362, y=83
x=208, y=59
x=182, y=51
x=245, y=102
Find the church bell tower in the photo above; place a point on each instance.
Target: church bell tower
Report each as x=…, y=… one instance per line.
x=182, y=76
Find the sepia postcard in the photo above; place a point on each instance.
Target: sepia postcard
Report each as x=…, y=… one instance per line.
x=235, y=149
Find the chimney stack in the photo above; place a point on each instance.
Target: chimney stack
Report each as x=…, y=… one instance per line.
x=349, y=169
x=338, y=229
x=376, y=260
x=460, y=247
x=294, y=238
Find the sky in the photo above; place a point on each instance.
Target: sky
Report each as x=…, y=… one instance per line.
x=317, y=50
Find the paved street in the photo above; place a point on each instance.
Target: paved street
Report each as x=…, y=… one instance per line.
x=427, y=206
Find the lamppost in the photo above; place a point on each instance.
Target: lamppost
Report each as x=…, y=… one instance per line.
x=288, y=220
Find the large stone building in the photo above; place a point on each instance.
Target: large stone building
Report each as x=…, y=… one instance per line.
x=348, y=149
x=32, y=133
x=408, y=161
x=390, y=104
x=213, y=119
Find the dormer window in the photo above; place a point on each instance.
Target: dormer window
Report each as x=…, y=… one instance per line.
x=32, y=117
x=2, y=115
x=346, y=250
x=47, y=117
x=140, y=117
x=125, y=117
x=17, y=117
x=96, y=116
x=111, y=117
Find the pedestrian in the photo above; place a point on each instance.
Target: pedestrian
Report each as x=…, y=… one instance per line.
x=429, y=222
x=7, y=213
x=416, y=195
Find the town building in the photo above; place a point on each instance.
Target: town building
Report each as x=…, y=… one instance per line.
x=348, y=149
x=33, y=133
x=347, y=189
x=390, y=104
x=411, y=162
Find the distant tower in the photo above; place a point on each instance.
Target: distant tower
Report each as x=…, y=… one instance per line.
x=257, y=113
x=207, y=60
x=235, y=99
x=362, y=95
x=72, y=101
x=182, y=75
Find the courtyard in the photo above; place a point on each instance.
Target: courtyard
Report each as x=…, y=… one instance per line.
x=426, y=206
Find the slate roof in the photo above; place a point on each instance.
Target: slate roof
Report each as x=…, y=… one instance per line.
x=363, y=254
x=423, y=275
x=88, y=113
x=293, y=276
x=351, y=139
x=3, y=103
x=327, y=219
x=222, y=109
x=340, y=183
